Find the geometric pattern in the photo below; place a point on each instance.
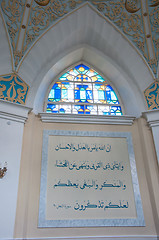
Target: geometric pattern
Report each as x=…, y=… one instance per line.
x=81, y=90
x=126, y=15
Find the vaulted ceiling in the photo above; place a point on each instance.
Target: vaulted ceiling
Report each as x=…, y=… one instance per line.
x=27, y=21
x=37, y=29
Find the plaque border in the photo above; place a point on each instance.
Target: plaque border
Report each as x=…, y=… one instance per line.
x=43, y=223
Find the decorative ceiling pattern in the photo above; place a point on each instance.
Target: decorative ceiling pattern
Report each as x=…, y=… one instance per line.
x=13, y=88
x=13, y=14
x=28, y=20
x=154, y=23
x=152, y=96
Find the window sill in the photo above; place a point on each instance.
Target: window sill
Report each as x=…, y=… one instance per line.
x=90, y=119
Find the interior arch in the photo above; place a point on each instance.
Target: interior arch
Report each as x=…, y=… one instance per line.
x=119, y=79
x=86, y=36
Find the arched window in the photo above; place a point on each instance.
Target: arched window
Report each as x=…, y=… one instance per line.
x=81, y=90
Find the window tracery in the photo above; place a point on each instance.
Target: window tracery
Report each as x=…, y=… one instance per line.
x=81, y=90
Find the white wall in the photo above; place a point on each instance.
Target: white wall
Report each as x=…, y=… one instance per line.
x=12, y=118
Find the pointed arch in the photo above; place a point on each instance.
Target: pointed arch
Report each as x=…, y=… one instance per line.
x=95, y=42
x=82, y=90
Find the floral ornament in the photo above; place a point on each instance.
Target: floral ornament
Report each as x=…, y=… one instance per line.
x=13, y=89
x=152, y=96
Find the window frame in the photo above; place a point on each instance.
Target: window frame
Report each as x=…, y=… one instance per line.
x=97, y=104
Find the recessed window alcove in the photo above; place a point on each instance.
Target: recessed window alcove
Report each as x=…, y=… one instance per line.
x=82, y=90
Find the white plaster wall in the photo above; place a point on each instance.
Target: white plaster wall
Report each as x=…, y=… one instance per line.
x=12, y=119
x=155, y=131
x=11, y=133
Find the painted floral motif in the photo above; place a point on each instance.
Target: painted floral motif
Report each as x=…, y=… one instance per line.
x=13, y=89
x=127, y=15
x=152, y=96
x=154, y=20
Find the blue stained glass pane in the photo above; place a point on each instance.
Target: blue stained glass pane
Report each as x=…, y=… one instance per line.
x=106, y=113
x=61, y=110
x=87, y=110
x=82, y=68
x=91, y=88
x=78, y=78
x=99, y=79
x=48, y=110
x=64, y=94
x=57, y=94
x=63, y=79
x=77, y=94
x=73, y=72
x=52, y=108
x=64, y=76
x=89, y=94
x=55, y=86
x=111, y=96
x=108, y=93
x=116, y=110
x=83, y=94
x=97, y=86
x=84, y=78
x=66, y=84
x=93, y=109
x=91, y=73
x=51, y=94
x=101, y=94
x=104, y=110
x=79, y=109
x=65, y=108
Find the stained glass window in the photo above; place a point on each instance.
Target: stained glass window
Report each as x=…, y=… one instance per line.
x=81, y=90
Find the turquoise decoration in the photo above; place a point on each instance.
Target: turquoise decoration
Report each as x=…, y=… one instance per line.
x=81, y=90
x=13, y=89
x=154, y=21
x=125, y=15
x=152, y=96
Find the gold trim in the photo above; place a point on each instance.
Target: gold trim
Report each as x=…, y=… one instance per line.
x=15, y=73
x=9, y=43
x=156, y=80
x=150, y=29
x=26, y=27
x=20, y=28
x=43, y=3
x=155, y=4
x=143, y=58
x=144, y=23
x=129, y=9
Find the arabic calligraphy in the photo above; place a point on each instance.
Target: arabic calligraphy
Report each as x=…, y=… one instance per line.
x=89, y=178
x=88, y=166
x=83, y=146
x=116, y=184
x=101, y=205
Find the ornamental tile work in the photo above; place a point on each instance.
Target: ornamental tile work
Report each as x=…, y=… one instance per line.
x=127, y=15
x=13, y=88
x=154, y=21
x=13, y=12
x=152, y=96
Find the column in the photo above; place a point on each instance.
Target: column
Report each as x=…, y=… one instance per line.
x=152, y=118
